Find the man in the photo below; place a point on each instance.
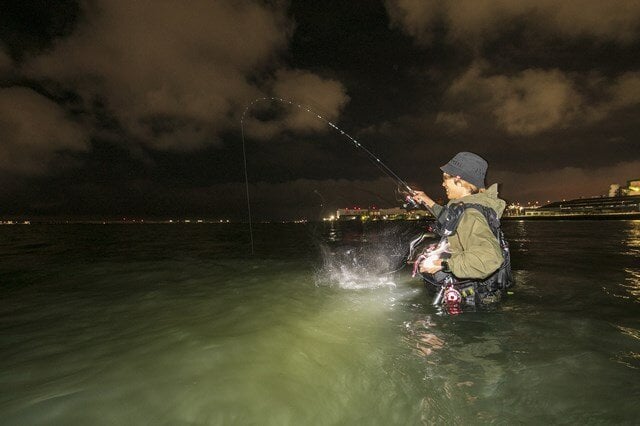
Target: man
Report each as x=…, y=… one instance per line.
x=479, y=264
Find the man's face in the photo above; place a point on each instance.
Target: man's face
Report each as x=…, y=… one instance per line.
x=454, y=190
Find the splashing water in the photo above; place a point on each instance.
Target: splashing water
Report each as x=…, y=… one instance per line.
x=356, y=268
x=367, y=262
x=359, y=268
x=353, y=276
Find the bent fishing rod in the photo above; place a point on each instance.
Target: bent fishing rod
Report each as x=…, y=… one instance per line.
x=390, y=173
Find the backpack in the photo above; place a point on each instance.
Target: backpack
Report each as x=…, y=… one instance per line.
x=447, y=223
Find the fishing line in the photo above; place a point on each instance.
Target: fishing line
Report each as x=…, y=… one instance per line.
x=390, y=173
x=246, y=179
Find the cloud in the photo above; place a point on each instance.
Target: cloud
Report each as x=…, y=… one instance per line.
x=453, y=121
x=565, y=183
x=619, y=20
x=528, y=101
x=35, y=132
x=524, y=104
x=174, y=76
x=474, y=21
x=328, y=95
x=535, y=100
x=625, y=91
x=324, y=97
x=614, y=94
x=416, y=17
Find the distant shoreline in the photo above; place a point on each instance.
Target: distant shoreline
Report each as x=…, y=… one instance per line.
x=595, y=216
x=548, y=217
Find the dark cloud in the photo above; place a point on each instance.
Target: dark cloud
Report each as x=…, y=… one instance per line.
x=475, y=22
x=177, y=77
x=536, y=100
x=174, y=77
x=525, y=104
x=35, y=132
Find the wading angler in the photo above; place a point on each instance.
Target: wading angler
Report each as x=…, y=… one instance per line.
x=470, y=267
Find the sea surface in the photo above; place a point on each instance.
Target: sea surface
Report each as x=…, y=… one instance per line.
x=179, y=324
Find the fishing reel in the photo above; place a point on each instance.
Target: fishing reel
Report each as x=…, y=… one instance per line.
x=452, y=301
x=408, y=203
x=449, y=298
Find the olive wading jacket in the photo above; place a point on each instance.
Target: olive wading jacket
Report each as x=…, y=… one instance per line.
x=475, y=251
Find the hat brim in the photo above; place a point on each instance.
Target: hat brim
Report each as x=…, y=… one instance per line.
x=454, y=171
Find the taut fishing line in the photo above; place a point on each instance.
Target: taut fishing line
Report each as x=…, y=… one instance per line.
x=246, y=176
x=390, y=173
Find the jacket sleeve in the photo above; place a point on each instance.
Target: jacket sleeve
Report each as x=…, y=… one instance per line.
x=480, y=254
x=435, y=210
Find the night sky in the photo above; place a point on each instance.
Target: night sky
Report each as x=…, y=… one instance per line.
x=121, y=108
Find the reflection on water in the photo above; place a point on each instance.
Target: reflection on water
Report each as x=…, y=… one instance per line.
x=420, y=334
x=632, y=284
x=629, y=359
x=630, y=332
x=632, y=239
x=519, y=239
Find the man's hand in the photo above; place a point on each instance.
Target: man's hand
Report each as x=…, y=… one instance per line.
x=431, y=267
x=422, y=198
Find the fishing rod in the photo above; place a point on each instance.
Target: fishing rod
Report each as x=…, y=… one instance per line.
x=390, y=173
x=357, y=144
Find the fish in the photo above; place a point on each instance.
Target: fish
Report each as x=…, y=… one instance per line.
x=433, y=253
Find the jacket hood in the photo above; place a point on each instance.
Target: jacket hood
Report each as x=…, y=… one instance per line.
x=488, y=198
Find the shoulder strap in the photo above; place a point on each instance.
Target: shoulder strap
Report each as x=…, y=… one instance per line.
x=448, y=220
x=489, y=214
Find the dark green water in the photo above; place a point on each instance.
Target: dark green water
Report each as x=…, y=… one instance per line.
x=178, y=324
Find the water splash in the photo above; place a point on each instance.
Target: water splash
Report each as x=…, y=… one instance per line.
x=365, y=258
x=357, y=268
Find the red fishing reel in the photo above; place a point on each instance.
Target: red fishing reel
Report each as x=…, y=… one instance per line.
x=452, y=301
